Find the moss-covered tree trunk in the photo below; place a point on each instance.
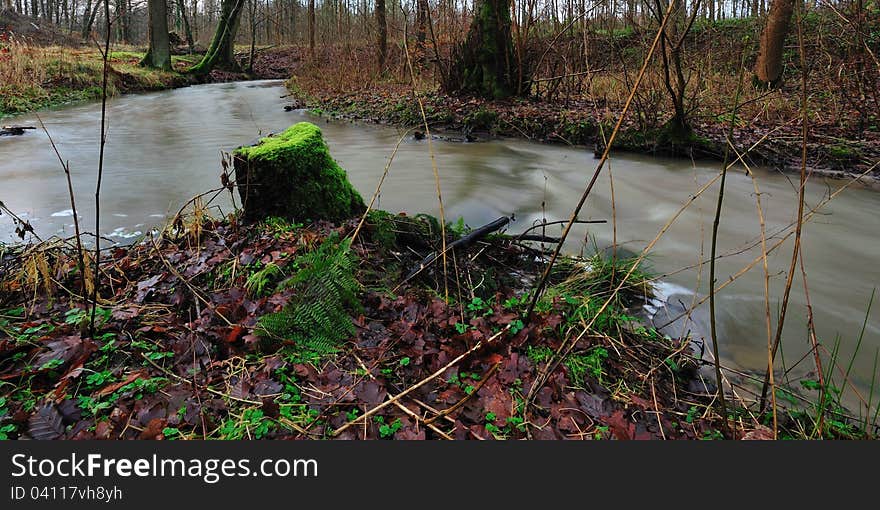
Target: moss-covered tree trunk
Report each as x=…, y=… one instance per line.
x=768, y=67
x=159, y=53
x=292, y=175
x=221, y=52
x=485, y=61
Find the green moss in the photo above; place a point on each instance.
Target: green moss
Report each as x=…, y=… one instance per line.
x=843, y=153
x=482, y=119
x=126, y=55
x=292, y=175
x=383, y=228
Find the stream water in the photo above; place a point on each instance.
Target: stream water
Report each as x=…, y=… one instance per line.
x=163, y=148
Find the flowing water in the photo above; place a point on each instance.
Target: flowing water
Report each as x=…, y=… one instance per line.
x=163, y=148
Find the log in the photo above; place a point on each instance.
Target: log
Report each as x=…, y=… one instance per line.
x=14, y=130
x=462, y=243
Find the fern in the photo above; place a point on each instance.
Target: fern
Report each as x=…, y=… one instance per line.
x=316, y=318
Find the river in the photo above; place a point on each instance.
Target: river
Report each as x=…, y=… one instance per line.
x=163, y=148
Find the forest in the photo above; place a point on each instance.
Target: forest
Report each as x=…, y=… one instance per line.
x=439, y=219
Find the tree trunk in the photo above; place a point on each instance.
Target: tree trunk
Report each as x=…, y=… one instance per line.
x=181, y=6
x=159, y=53
x=421, y=23
x=383, y=33
x=221, y=52
x=89, y=18
x=312, y=29
x=768, y=68
x=485, y=60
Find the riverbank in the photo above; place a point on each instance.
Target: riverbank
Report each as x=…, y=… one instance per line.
x=34, y=77
x=580, y=107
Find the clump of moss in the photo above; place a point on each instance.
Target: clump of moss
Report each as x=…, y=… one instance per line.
x=292, y=175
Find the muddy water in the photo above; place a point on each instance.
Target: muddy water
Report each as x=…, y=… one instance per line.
x=162, y=148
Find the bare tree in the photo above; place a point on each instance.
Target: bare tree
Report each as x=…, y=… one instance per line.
x=768, y=68
x=383, y=32
x=312, y=29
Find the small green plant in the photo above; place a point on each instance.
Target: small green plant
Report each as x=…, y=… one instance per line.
x=52, y=364
x=581, y=365
x=260, y=281
x=98, y=379
x=404, y=361
x=539, y=354
x=253, y=423
x=5, y=430
x=458, y=228
x=171, y=433
x=385, y=429
x=516, y=326
x=280, y=226
x=478, y=306
x=601, y=432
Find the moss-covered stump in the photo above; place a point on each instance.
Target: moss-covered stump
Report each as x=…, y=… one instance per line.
x=291, y=175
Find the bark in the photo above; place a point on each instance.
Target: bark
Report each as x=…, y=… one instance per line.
x=383, y=33
x=484, y=62
x=768, y=68
x=421, y=22
x=159, y=52
x=221, y=52
x=186, y=27
x=89, y=18
x=312, y=29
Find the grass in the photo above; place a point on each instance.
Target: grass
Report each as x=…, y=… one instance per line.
x=38, y=77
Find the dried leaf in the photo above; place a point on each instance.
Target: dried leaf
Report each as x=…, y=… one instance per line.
x=45, y=423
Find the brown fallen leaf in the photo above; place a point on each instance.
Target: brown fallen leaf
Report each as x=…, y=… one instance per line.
x=110, y=388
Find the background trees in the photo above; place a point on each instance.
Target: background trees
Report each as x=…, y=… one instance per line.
x=159, y=51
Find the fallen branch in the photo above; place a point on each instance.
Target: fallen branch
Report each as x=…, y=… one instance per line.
x=463, y=243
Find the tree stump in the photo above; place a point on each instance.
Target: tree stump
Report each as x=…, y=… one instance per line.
x=292, y=175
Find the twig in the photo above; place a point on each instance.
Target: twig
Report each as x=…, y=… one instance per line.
x=464, y=399
x=715, y=224
x=105, y=55
x=66, y=166
x=433, y=159
x=419, y=419
x=378, y=186
x=605, y=154
x=423, y=382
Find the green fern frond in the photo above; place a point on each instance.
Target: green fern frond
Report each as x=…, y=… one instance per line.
x=316, y=319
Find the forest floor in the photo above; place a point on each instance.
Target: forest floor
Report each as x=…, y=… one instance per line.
x=183, y=349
